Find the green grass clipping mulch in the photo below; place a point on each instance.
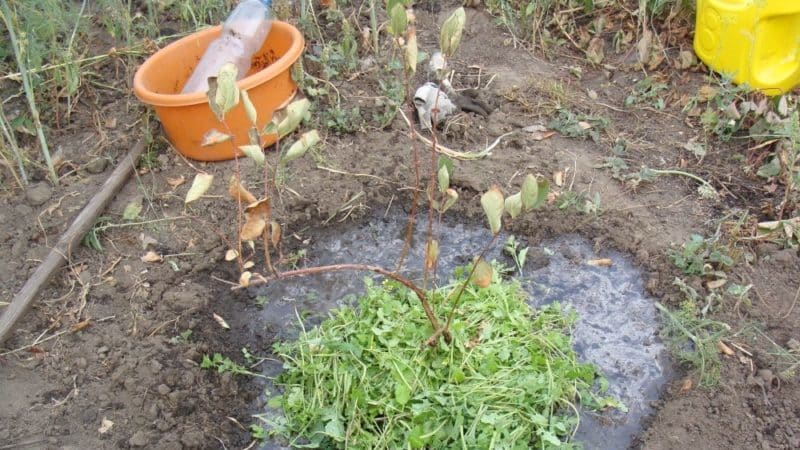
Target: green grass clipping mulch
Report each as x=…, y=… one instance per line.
x=363, y=379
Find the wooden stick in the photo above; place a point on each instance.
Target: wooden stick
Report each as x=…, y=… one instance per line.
x=58, y=254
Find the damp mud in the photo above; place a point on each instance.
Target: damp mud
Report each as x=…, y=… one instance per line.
x=617, y=324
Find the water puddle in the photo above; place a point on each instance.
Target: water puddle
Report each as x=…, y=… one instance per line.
x=616, y=328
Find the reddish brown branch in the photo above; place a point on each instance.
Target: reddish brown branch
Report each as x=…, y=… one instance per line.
x=445, y=331
x=423, y=299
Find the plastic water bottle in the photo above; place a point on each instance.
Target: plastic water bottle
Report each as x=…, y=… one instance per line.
x=243, y=34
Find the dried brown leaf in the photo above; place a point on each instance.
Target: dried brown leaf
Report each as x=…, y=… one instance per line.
x=80, y=326
x=239, y=192
x=602, y=262
x=220, y=320
x=244, y=279
x=724, y=349
x=253, y=227
x=151, y=257
x=176, y=181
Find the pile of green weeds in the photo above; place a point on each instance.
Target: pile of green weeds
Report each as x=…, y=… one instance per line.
x=364, y=380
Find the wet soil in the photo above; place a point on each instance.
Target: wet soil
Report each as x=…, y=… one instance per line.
x=137, y=364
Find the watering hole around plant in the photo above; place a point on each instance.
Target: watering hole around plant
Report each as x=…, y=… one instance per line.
x=617, y=326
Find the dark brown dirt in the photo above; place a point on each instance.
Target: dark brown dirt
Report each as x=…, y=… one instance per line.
x=131, y=365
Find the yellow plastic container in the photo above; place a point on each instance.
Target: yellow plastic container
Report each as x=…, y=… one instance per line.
x=756, y=42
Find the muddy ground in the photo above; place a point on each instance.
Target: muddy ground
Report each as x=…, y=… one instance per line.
x=137, y=365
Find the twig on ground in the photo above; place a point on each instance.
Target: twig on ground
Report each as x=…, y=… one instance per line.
x=40, y=341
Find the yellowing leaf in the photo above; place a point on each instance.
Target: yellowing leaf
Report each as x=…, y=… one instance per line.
x=299, y=148
x=231, y=254
x=253, y=152
x=249, y=108
x=444, y=179
x=452, y=196
x=412, y=52
x=239, y=193
x=558, y=178
x=294, y=114
x=201, y=183
x=716, y=284
x=493, y=205
x=530, y=192
x=513, y=205
x=249, y=264
x=431, y=253
x=482, y=275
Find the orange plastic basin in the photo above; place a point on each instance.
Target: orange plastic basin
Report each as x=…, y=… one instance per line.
x=187, y=117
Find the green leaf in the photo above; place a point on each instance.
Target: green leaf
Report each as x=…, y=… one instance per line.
x=770, y=169
x=249, y=108
x=201, y=183
x=294, y=114
x=253, y=152
x=450, y=37
x=335, y=430
x=530, y=192
x=223, y=94
x=402, y=394
x=444, y=179
x=132, y=210
x=445, y=161
x=493, y=205
x=543, y=190
x=398, y=20
x=299, y=148
x=513, y=205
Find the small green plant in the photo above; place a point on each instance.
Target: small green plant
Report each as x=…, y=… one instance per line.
x=579, y=201
x=343, y=121
x=258, y=432
x=581, y=126
x=92, y=238
x=182, y=338
x=519, y=255
x=647, y=91
x=700, y=256
x=694, y=339
x=226, y=365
